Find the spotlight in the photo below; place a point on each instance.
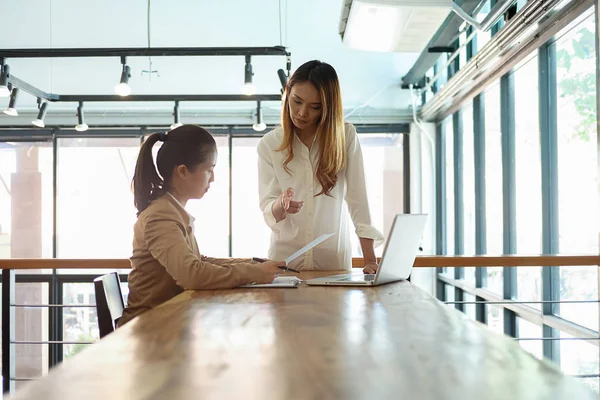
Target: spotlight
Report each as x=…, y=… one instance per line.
x=248, y=89
x=81, y=125
x=176, y=123
x=39, y=122
x=11, y=110
x=259, y=126
x=123, y=89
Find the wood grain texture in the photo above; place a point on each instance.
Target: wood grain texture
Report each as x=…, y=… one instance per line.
x=420, y=262
x=387, y=342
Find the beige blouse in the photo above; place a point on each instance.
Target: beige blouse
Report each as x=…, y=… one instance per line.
x=166, y=260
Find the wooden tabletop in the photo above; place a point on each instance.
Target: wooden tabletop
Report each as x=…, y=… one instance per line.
x=388, y=342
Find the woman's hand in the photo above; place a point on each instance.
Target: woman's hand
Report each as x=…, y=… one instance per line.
x=284, y=205
x=371, y=267
x=272, y=269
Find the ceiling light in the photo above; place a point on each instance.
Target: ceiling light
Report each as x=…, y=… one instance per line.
x=11, y=110
x=39, y=122
x=248, y=89
x=81, y=125
x=123, y=89
x=176, y=123
x=259, y=126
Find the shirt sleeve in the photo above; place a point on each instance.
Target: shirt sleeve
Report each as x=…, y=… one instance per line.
x=356, y=193
x=165, y=239
x=268, y=187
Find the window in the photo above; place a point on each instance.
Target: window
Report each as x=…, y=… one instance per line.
x=578, y=168
x=384, y=168
x=483, y=37
x=26, y=200
x=528, y=174
x=578, y=357
x=449, y=171
x=95, y=215
x=528, y=331
x=468, y=189
x=250, y=232
x=212, y=211
x=493, y=184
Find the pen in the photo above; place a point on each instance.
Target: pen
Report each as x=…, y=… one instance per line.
x=257, y=259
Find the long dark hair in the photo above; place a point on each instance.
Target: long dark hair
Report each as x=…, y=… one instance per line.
x=330, y=129
x=187, y=145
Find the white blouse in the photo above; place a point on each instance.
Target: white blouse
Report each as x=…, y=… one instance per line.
x=319, y=215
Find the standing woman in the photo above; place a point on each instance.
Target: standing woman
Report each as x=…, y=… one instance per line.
x=311, y=174
x=166, y=259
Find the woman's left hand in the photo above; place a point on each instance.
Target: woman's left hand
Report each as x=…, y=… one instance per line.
x=371, y=267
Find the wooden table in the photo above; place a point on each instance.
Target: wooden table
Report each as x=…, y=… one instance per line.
x=387, y=342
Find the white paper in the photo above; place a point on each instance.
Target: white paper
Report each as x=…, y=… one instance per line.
x=308, y=247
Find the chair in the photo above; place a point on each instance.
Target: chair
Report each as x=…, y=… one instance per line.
x=109, y=302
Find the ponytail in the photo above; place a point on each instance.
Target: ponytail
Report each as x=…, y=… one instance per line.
x=147, y=184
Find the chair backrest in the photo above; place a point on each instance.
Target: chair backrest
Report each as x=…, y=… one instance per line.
x=109, y=302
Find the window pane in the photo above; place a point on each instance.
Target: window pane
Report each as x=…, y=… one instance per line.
x=384, y=169
x=528, y=330
x=212, y=211
x=95, y=203
x=80, y=324
x=469, y=189
x=483, y=37
x=31, y=324
x=578, y=357
x=493, y=184
x=449, y=171
x=528, y=178
x=578, y=169
x=250, y=232
x=26, y=200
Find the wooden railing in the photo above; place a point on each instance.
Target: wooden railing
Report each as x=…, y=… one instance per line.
x=420, y=262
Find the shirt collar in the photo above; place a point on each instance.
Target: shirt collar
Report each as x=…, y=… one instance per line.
x=192, y=219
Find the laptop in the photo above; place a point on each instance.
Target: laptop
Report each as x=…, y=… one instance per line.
x=398, y=255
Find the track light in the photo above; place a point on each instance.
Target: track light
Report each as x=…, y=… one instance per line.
x=248, y=89
x=81, y=125
x=176, y=123
x=11, y=110
x=123, y=89
x=39, y=122
x=282, y=78
x=4, y=74
x=259, y=126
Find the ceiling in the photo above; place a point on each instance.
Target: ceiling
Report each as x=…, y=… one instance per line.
x=309, y=29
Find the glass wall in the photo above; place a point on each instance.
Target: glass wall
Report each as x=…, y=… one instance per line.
x=575, y=222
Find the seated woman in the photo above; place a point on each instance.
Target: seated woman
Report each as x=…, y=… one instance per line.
x=166, y=259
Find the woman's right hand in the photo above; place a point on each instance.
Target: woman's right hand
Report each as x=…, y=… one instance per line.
x=284, y=205
x=272, y=269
